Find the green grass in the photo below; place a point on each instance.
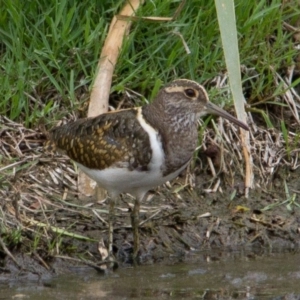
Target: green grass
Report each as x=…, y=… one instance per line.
x=49, y=51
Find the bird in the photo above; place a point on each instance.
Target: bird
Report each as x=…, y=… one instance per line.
x=137, y=149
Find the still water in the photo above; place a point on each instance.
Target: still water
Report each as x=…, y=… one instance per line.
x=205, y=276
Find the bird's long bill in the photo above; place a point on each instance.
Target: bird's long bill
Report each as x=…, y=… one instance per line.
x=214, y=109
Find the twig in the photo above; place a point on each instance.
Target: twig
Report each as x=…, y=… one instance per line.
x=9, y=253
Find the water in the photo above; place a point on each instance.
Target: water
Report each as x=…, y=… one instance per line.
x=218, y=276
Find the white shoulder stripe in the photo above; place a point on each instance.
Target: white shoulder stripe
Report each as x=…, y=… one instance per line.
x=158, y=156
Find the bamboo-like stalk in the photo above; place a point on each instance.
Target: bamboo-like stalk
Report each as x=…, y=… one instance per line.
x=101, y=88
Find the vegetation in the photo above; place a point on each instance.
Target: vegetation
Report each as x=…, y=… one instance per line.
x=48, y=57
x=49, y=51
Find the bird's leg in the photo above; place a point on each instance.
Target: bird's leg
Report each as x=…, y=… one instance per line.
x=111, y=218
x=135, y=227
x=135, y=223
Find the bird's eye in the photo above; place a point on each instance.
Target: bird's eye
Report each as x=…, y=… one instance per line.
x=190, y=93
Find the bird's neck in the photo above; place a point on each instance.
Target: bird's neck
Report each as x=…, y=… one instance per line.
x=169, y=117
x=177, y=130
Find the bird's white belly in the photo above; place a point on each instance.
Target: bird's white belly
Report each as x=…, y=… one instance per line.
x=116, y=180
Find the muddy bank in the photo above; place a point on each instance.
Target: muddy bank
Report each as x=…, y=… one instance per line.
x=173, y=225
